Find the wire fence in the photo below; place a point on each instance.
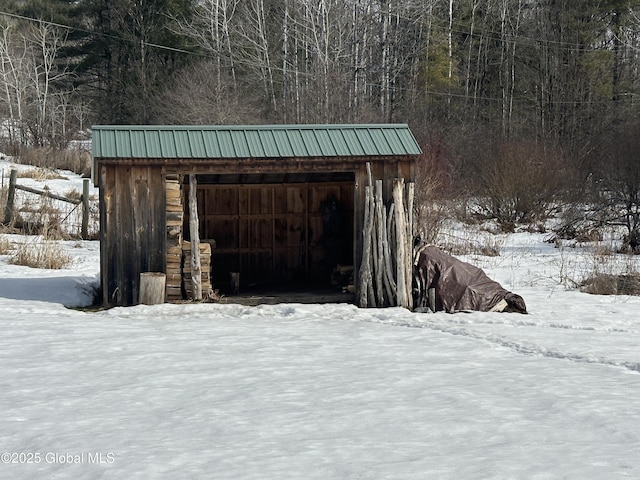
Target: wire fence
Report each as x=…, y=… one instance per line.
x=36, y=211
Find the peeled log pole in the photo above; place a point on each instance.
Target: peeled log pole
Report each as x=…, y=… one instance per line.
x=410, y=193
x=389, y=282
x=403, y=292
x=196, y=277
x=385, y=274
x=365, y=267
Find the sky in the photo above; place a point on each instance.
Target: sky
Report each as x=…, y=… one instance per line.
x=291, y=391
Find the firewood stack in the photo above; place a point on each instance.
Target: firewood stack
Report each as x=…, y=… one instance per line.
x=205, y=269
x=175, y=214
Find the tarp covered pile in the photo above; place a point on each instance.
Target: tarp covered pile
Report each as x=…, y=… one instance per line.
x=458, y=285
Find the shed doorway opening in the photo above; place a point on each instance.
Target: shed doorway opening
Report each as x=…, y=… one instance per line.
x=279, y=232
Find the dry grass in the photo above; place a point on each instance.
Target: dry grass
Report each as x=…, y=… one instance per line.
x=608, y=284
x=471, y=242
x=6, y=247
x=73, y=194
x=75, y=160
x=598, y=269
x=46, y=254
x=42, y=252
x=41, y=174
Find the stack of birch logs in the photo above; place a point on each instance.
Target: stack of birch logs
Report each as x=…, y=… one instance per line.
x=385, y=276
x=175, y=214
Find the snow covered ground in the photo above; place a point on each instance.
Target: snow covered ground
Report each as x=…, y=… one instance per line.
x=294, y=391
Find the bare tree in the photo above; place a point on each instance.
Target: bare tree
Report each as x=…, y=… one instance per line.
x=13, y=59
x=45, y=73
x=211, y=28
x=621, y=175
x=194, y=98
x=31, y=76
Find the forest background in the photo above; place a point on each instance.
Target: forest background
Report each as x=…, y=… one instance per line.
x=523, y=108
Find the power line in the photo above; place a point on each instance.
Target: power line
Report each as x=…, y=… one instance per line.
x=459, y=28
x=101, y=34
x=479, y=33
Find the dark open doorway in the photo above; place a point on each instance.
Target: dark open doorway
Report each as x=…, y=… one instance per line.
x=279, y=232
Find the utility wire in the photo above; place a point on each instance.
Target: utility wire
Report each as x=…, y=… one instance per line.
x=101, y=34
x=569, y=46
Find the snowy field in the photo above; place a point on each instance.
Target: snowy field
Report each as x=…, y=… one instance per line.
x=292, y=391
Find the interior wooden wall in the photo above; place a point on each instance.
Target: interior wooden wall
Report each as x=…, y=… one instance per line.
x=273, y=233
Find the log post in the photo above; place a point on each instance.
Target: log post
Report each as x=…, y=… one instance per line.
x=84, y=232
x=365, y=265
x=389, y=282
x=152, y=288
x=8, y=210
x=410, y=194
x=401, y=243
x=380, y=228
x=196, y=276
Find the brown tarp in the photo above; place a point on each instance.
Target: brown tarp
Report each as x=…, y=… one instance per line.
x=458, y=285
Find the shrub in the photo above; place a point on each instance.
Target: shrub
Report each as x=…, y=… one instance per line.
x=75, y=160
x=518, y=184
x=580, y=223
x=513, y=181
x=431, y=207
x=470, y=242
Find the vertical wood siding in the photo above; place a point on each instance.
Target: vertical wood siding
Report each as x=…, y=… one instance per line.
x=132, y=229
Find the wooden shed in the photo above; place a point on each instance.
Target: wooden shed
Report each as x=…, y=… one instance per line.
x=278, y=205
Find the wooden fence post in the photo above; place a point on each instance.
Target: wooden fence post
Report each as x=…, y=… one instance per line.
x=84, y=232
x=8, y=210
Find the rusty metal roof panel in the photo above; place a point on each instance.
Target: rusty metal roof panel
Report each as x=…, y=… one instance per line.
x=252, y=141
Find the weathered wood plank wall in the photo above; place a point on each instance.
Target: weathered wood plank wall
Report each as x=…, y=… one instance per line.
x=132, y=229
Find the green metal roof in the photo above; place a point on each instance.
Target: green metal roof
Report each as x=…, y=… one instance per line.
x=252, y=141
